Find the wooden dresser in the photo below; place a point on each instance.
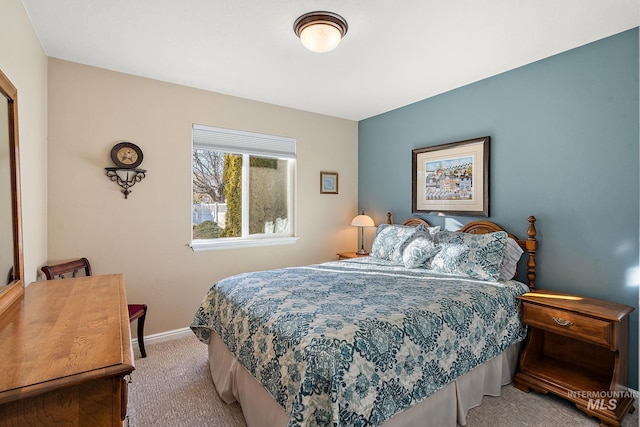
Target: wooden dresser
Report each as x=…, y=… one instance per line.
x=65, y=353
x=577, y=348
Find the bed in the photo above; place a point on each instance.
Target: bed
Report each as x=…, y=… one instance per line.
x=415, y=334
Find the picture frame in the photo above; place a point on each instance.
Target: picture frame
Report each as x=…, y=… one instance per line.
x=328, y=182
x=452, y=178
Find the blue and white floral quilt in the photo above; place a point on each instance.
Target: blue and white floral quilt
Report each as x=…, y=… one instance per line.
x=351, y=343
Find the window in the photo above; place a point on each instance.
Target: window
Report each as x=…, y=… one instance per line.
x=243, y=188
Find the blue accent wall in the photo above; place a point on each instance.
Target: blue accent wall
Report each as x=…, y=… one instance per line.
x=564, y=147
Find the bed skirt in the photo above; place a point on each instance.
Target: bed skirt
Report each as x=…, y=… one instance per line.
x=446, y=407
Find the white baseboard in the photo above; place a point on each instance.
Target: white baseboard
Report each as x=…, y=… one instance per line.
x=164, y=336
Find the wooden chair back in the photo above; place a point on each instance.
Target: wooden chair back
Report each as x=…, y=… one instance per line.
x=67, y=269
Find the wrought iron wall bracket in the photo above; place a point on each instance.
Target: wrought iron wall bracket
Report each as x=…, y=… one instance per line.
x=126, y=177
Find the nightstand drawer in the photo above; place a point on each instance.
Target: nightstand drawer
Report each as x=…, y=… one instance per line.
x=567, y=323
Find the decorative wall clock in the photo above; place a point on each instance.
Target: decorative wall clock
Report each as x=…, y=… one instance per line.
x=127, y=157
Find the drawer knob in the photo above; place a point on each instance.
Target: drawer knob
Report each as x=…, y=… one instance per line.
x=562, y=322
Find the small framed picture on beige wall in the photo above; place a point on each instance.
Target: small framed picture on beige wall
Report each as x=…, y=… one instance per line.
x=328, y=182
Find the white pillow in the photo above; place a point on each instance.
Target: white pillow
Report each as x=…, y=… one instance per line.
x=433, y=230
x=510, y=261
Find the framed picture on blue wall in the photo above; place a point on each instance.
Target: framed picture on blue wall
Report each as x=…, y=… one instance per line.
x=328, y=182
x=452, y=178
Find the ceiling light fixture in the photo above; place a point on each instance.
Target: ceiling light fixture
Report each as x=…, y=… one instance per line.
x=320, y=31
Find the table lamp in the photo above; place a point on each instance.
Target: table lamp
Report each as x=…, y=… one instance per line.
x=362, y=221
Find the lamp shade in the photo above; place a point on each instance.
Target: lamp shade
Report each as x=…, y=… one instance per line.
x=320, y=31
x=320, y=37
x=363, y=221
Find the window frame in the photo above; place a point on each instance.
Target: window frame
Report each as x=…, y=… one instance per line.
x=287, y=153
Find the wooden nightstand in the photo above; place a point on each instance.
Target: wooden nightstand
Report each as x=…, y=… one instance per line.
x=577, y=348
x=348, y=255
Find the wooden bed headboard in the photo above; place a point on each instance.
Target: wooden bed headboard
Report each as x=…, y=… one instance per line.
x=529, y=245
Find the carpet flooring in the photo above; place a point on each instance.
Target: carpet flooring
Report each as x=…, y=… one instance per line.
x=172, y=387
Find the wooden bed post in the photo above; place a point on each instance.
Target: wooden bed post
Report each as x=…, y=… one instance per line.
x=531, y=245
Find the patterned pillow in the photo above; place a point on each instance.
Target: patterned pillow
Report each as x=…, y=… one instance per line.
x=419, y=251
x=510, y=262
x=449, y=258
x=484, y=256
x=391, y=239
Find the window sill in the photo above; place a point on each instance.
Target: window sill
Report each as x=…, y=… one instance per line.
x=214, y=245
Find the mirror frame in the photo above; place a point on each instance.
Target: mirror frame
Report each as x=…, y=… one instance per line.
x=14, y=290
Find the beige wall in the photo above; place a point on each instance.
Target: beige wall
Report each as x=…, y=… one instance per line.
x=23, y=61
x=146, y=235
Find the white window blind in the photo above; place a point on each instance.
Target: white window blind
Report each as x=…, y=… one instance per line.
x=241, y=142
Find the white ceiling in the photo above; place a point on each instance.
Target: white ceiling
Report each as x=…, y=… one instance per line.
x=395, y=52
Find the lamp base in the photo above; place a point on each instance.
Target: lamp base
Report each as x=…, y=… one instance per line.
x=361, y=251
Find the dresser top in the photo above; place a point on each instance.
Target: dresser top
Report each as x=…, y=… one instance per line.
x=64, y=332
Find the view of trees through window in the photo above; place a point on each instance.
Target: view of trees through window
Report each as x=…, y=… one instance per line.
x=218, y=194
